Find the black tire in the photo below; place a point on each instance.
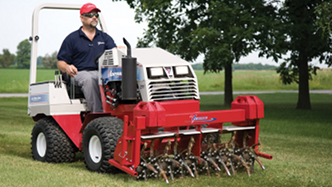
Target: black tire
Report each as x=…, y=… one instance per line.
x=50, y=144
x=99, y=141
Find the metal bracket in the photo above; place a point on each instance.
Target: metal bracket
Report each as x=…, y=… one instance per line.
x=123, y=155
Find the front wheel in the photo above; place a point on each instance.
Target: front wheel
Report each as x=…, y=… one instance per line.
x=99, y=141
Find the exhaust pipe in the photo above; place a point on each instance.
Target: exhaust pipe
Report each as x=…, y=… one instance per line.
x=129, y=81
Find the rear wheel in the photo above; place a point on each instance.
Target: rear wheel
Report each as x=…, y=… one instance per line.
x=50, y=144
x=99, y=141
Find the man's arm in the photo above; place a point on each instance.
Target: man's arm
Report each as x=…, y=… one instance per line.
x=71, y=70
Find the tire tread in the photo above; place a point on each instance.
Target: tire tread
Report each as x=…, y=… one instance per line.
x=59, y=147
x=110, y=129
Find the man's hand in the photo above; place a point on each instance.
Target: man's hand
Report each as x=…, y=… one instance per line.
x=71, y=70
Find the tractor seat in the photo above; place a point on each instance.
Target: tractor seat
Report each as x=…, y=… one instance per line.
x=74, y=91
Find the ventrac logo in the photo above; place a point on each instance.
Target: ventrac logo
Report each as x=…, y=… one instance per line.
x=196, y=119
x=114, y=74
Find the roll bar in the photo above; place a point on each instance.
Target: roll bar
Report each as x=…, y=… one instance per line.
x=34, y=37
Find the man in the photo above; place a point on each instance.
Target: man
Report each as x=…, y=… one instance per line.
x=78, y=51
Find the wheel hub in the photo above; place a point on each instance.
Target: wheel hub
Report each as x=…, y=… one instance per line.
x=95, y=149
x=41, y=144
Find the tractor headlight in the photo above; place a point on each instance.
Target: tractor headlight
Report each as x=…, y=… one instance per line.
x=156, y=72
x=181, y=70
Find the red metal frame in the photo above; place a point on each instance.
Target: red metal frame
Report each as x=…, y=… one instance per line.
x=147, y=117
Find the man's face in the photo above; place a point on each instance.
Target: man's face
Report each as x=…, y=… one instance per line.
x=87, y=21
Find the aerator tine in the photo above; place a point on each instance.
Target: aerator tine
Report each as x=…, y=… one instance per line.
x=162, y=172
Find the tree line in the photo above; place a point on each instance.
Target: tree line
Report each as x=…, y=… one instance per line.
x=22, y=58
x=249, y=66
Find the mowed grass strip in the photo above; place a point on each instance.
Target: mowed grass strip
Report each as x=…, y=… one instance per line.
x=300, y=142
x=17, y=80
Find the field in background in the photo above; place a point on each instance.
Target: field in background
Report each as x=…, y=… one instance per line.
x=300, y=142
x=17, y=80
x=254, y=80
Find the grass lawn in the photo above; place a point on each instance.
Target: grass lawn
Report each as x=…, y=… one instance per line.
x=17, y=80
x=300, y=142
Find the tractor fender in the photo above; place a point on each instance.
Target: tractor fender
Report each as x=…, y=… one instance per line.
x=38, y=117
x=91, y=116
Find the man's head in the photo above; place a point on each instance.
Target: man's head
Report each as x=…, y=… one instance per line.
x=89, y=15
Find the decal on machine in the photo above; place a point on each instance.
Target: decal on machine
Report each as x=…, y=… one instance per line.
x=38, y=99
x=115, y=74
x=169, y=70
x=196, y=119
x=111, y=74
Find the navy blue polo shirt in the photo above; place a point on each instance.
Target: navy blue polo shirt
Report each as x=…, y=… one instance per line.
x=79, y=50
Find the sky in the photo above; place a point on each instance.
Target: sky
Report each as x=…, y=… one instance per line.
x=55, y=25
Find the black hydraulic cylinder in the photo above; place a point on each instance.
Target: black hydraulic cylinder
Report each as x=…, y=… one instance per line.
x=129, y=80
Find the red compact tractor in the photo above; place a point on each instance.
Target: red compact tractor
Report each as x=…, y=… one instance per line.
x=151, y=125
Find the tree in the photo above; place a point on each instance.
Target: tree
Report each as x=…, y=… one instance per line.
x=6, y=59
x=324, y=17
x=23, y=54
x=306, y=42
x=223, y=31
x=50, y=61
